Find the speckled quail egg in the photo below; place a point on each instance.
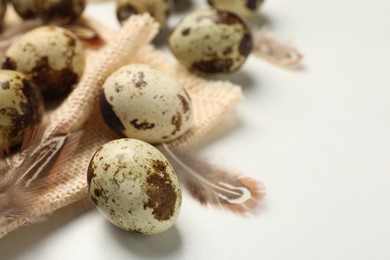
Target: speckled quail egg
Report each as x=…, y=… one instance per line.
x=158, y=9
x=21, y=108
x=211, y=41
x=142, y=102
x=133, y=185
x=244, y=8
x=51, y=57
x=49, y=9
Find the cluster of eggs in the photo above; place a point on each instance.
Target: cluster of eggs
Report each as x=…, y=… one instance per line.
x=46, y=10
x=211, y=41
x=42, y=64
x=131, y=183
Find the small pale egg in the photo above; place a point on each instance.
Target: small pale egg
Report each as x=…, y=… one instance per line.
x=142, y=102
x=51, y=57
x=211, y=41
x=49, y=9
x=158, y=9
x=21, y=108
x=134, y=186
x=244, y=8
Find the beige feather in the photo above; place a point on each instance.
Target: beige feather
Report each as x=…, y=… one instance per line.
x=23, y=176
x=212, y=185
x=271, y=49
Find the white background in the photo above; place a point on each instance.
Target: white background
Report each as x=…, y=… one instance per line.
x=317, y=137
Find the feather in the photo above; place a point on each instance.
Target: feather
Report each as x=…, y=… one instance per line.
x=85, y=33
x=23, y=176
x=268, y=47
x=215, y=186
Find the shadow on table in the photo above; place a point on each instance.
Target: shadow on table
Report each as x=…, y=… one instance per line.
x=26, y=238
x=159, y=246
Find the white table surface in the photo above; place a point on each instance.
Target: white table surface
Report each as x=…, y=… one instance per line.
x=318, y=138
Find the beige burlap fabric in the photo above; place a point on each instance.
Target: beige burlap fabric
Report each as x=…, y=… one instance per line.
x=131, y=44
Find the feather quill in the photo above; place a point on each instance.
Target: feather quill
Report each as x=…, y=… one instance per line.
x=211, y=185
x=271, y=49
x=24, y=175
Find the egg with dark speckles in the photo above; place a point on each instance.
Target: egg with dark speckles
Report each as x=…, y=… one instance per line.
x=49, y=9
x=21, y=108
x=244, y=8
x=134, y=186
x=158, y=9
x=211, y=41
x=142, y=102
x=51, y=57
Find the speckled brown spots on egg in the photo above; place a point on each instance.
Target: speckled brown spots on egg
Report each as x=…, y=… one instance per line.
x=109, y=115
x=5, y=85
x=158, y=9
x=246, y=45
x=146, y=103
x=139, y=192
x=186, y=31
x=44, y=76
x=162, y=196
x=144, y=125
x=90, y=174
x=21, y=108
x=51, y=57
x=213, y=66
x=71, y=40
x=139, y=80
x=185, y=103
x=219, y=43
x=244, y=8
x=118, y=88
x=8, y=64
x=70, y=9
x=125, y=11
x=49, y=9
x=177, y=122
x=106, y=166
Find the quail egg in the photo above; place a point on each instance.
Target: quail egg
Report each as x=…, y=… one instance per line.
x=211, y=41
x=51, y=57
x=49, y=9
x=244, y=8
x=142, y=102
x=158, y=9
x=21, y=108
x=133, y=185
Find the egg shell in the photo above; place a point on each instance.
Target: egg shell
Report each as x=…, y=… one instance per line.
x=52, y=57
x=21, y=108
x=158, y=9
x=211, y=41
x=133, y=185
x=141, y=102
x=49, y=9
x=244, y=8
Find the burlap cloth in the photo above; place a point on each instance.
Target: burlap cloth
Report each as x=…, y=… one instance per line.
x=131, y=44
